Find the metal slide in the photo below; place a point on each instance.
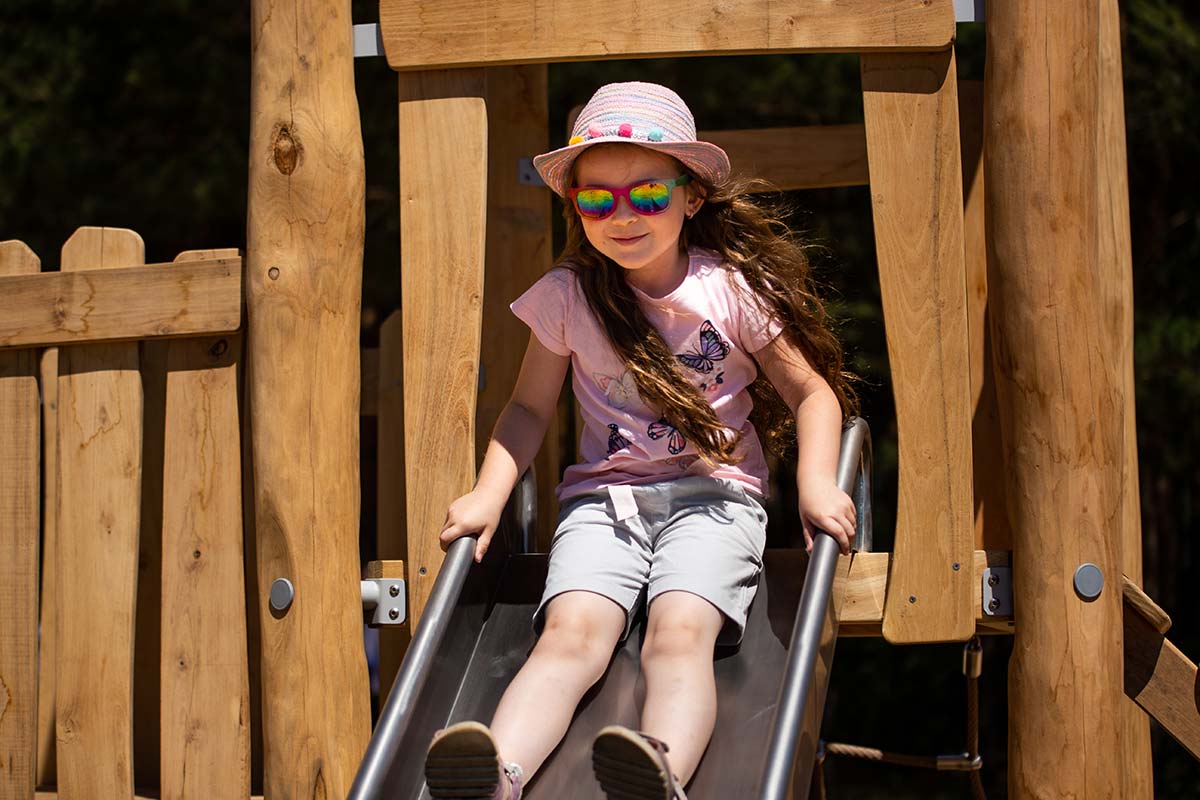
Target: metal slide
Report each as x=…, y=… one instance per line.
x=476, y=634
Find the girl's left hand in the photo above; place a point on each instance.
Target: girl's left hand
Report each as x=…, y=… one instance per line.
x=823, y=506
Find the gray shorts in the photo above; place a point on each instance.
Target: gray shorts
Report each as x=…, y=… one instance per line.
x=696, y=534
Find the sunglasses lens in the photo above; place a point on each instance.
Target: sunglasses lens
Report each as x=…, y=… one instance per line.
x=650, y=198
x=594, y=203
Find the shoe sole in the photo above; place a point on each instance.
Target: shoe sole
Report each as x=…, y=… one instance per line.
x=462, y=763
x=627, y=767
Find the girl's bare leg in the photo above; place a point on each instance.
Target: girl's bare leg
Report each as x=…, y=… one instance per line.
x=582, y=629
x=681, y=689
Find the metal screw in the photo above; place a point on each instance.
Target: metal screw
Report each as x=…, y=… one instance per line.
x=421, y=570
x=394, y=590
x=273, y=273
x=993, y=604
x=993, y=580
x=912, y=598
x=956, y=566
x=394, y=614
x=219, y=348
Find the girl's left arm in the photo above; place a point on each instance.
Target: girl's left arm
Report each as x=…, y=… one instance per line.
x=823, y=506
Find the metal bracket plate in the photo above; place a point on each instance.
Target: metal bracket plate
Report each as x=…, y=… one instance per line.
x=384, y=601
x=997, y=592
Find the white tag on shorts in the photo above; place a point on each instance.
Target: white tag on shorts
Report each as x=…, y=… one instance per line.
x=624, y=506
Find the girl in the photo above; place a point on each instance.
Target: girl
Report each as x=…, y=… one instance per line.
x=673, y=290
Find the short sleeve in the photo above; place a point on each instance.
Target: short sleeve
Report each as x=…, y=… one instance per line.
x=545, y=307
x=756, y=326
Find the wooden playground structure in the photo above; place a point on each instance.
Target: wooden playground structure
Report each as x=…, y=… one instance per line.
x=177, y=438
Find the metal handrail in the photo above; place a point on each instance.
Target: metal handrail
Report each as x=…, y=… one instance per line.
x=796, y=725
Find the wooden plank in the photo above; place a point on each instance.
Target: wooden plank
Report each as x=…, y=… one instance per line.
x=1058, y=395
x=1140, y=602
x=866, y=590
x=992, y=531
x=304, y=252
x=810, y=157
x=205, y=692
x=432, y=34
x=1162, y=680
x=443, y=198
x=392, y=531
x=136, y=302
x=48, y=642
x=20, y=497
x=99, y=491
x=519, y=251
x=911, y=112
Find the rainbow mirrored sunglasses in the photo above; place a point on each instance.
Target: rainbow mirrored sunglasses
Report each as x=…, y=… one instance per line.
x=647, y=198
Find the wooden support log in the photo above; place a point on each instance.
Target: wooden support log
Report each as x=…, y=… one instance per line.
x=443, y=197
x=99, y=493
x=304, y=288
x=1058, y=393
x=911, y=112
x=19, y=500
x=432, y=34
x=205, y=715
x=136, y=302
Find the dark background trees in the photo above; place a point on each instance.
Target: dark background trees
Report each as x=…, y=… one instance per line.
x=136, y=115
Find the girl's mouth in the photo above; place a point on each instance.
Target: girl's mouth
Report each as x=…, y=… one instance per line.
x=628, y=239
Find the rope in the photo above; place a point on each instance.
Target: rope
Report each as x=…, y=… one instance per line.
x=872, y=754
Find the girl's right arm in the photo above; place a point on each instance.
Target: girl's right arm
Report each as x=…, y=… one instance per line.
x=515, y=441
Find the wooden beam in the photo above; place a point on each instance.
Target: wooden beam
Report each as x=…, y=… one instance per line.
x=1140, y=602
x=443, y=201
x=911, y=111
x=1058, y=393
x=20, y=498
x=99, y=493
x=433, y=34
x=810, y=157
x=304, y=252
x=1162, y=680
x=142, y=302
x=204, y=712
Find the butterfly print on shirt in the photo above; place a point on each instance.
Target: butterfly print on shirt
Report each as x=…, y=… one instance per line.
x=711, y=350
x=675, y=440
x=619, y=391
x=616, y=442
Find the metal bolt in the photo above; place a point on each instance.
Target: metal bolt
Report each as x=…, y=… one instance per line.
x=273, y=273
x=956, y=566
x=394, y=590
x=394, y=614
x=993, y=604
x=993, y=580
x=912, y=598
x=1089, y=581
x=219, y=348
x=421, y=570
x=282, y=594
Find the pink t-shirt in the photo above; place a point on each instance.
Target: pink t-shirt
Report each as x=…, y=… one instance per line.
x=709, y=326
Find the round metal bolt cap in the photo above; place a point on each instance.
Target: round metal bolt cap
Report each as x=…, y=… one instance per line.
x=1089, y=581
x=282, y=593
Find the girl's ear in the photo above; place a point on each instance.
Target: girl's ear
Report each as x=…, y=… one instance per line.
x=695, y=198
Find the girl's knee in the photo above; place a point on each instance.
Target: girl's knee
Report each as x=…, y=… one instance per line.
x=582, y=633
x=681, y=637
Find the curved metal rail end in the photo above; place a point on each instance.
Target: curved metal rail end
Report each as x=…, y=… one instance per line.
x=795, y=730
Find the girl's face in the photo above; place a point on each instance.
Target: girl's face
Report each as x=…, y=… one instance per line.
x=637, y=242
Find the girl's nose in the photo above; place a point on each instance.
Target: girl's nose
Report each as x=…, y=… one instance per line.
x=624, y=212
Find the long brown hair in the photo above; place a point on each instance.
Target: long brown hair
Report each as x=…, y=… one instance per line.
x=752, y=238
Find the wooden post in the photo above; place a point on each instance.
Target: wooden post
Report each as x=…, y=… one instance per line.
x=205, y=715
x=1058, y=393
x=99, y=495
x=19, y=500
x=1116, y=276
x=304, y=279
x=443, y=197
x=910, y=109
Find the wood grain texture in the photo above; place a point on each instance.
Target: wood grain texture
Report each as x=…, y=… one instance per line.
x=518, y=253
x=99, y=500
x=205, y=714
x=911, y=112
x=392, y=534
x=992, y=531
x=810, y=157
x=431, y=34
x=443, y=196
x=1162, y=680
x=1058, y=395
x=48, y=640
x=304, y=292
x=20, y=497
x=136, y=302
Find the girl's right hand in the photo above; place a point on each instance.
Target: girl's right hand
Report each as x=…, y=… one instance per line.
x=477, y=512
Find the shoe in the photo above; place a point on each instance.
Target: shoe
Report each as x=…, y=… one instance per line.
x=463, y=763
x=633, y=766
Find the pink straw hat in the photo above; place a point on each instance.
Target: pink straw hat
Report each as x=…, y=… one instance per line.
x=644, y=114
